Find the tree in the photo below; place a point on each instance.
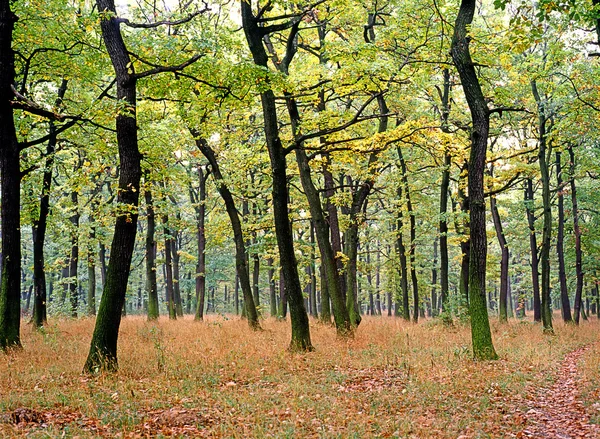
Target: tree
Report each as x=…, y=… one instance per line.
x=483, y=347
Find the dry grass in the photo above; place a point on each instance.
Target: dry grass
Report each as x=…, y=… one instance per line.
x=218, y=379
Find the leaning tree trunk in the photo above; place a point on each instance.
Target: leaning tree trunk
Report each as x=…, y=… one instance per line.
x=483, y=347
x=241, y=262
x=285, y=241
x=502, y=308
x=10, y=188
x=560, y=239
x=533, y=249
x=577, y=233
x=103, y=349
x=543, y=155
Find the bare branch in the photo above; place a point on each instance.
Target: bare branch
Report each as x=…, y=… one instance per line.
x=187, y=19
x=166, y=69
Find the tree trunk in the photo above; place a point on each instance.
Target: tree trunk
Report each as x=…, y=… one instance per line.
x=241, y=262
x=577, y=233
x=502, y=308
x=401, y=250
x=535, y=274
x=74, y=259
x=413, y=236
x=201, y=243
x=443, y=225
x=483, y=347
x=10, y=189
x=272, y=292
x=103, y=349
x=39, y=225
x=151, y=286
x=562, y=275
x=293, y=291
x=170, y=292
x=434, y=299
x=543, y=156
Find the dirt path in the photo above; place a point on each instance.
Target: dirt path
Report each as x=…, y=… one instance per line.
x=555, y=412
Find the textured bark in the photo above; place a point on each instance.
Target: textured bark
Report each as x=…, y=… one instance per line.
x=103, y=349
x=293, y=291
x=535, y=274
x=74, y=259
x=543, y=156
x=40, y=224
x=201, y=243
x=577, y=233
x=502, y=307
x=445, y=184
x=10, y=188
x=151, y=286
x=413, y=236
x=401, y=250
x=241, y=262
x=483, y=347
x=170, y=293
x=560, y=240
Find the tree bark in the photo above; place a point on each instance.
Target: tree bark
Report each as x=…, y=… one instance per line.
x=241, y=262
x=10, y=188
x=577, y=233
x=293, y=291
x=445, y=184
x=103, y=349
x=502, y=308
x=483, y=347
x=201, y=242
x=151, y=286
x=74, y=259
x=560, y=239
x=543, y=156
x=535, y=274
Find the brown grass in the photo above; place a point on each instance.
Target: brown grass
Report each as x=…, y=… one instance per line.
x=218, y=379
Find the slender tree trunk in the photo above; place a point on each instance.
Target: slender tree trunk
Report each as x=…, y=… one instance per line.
x=39, y=225
x=103, y=349
x=325, y=305
x=577, y=233
x=434, y=272
x=241, y=262
x=170, y=292
x=91, y=264
x=413, y=235
x=401, y=250
x=562, y=275
x=543, y=155
x=74, y=259
x=443, y=225
x=378, y=280
x=483, y=347
x=151, y=285
x=10, y=188
x=201, y=243
x=535, y=274
x=272, y=292
x=313, y=274
x=502, y=308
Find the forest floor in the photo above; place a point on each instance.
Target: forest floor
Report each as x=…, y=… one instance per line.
x=218, y=379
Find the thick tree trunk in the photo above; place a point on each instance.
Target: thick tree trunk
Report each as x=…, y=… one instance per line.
x=543, y=157
x=103, y=349
x=535, y=274
x=483, y=347
x=151, y=286
x=577, y=233
x=502, y=308
x=241, y=262
x=293, y=291
x=560, y=239
x=10, y=188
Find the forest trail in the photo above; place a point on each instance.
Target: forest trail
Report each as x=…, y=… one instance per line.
x=556, y=412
